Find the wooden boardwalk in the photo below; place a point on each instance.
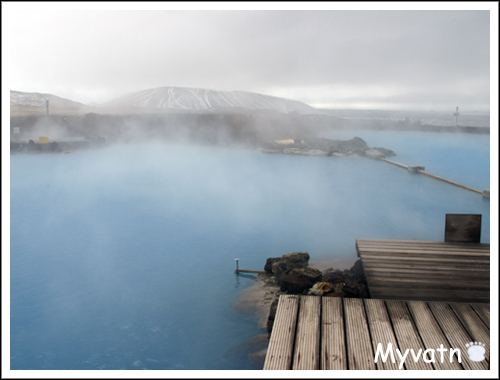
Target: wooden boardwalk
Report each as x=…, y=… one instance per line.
x=421, y=270
x=329, y=333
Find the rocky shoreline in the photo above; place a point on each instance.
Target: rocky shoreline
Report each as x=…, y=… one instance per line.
x=291, y=274
x=59, y=146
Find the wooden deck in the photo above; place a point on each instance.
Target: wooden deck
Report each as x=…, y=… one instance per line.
x=329, y=333
x=431, y=271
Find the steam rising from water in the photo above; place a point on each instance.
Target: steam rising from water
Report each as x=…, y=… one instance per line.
x=123, y=257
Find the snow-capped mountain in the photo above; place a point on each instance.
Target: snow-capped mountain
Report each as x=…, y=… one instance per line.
x=195, y=99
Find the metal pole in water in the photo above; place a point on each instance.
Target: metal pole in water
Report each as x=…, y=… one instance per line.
x=237, y=266
x=456, y=114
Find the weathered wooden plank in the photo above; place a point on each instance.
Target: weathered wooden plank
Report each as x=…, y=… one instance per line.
x=430, y=260
x=459, y=295
x=439, y=246
x=377, y=242
x=444, y=253
x=333, y=352
x=280, y=350
x=415, y=278
x=431, y=335
x=412, y=292
x=429, y=272
x=422, y=252
x=307, y=339
x=455, y=333
x=380, y=330
x=394, y=264
x=420, y=264
x=427, y=255
x=359, y=346
x=448, y=250
x=452, y=293
x=483, y=310
x=394, y=244
x=387, y=258
x=406, y=334
x=476, y=328
x=427, y=282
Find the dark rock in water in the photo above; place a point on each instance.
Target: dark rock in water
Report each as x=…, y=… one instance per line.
x=348, y=283
x=299, y=280
x=357, y=270
x=54, y=147
x=273, y=309
x=359, y=143
x=32, y=146
x=334, y=276
x=272, y=314
x=269, y=264
x=288, y=262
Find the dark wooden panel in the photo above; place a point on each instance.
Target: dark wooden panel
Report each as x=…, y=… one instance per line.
x=464, y=228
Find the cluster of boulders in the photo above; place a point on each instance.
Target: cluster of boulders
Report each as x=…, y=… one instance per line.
x=292, y=272
x=328, y=147
x=294, y=276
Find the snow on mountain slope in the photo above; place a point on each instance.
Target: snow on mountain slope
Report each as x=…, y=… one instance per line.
x=195, y=99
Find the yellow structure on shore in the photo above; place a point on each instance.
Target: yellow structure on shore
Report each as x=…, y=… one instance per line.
x=43, y=140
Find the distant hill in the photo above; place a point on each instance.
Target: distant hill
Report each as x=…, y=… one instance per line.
x=33, y=103
x=180, y=99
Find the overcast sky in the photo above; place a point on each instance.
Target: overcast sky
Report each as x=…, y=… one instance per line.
x=385, y=59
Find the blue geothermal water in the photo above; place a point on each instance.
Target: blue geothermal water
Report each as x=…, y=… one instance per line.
x=123, y=257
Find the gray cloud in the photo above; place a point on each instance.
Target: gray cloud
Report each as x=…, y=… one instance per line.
x=319, y=57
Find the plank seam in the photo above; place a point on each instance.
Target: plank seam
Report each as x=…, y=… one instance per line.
x=295, y=333
x=345, y=334
x=320, y=330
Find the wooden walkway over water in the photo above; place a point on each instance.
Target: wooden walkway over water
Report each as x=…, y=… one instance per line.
x=421, y=170
x=329, y=333
x=422, y=270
